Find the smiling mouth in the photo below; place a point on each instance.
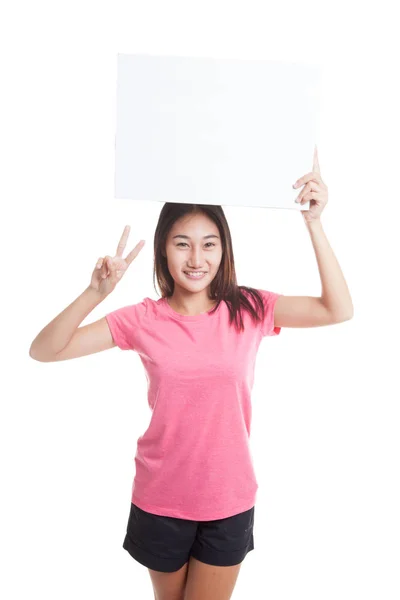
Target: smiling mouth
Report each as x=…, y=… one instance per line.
x=195, y=274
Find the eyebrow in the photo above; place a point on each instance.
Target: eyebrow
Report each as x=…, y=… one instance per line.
x=186, y=237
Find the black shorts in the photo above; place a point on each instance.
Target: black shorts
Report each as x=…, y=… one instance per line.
x=166, y=543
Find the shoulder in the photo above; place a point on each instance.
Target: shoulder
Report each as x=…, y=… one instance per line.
x=130, y=312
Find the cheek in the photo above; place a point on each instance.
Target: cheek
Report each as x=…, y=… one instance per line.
x=175, y=260
x=218, y=261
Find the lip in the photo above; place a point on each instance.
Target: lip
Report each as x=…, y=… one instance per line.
x=195, y=278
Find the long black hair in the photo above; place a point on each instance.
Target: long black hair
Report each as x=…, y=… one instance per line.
x=224, y=285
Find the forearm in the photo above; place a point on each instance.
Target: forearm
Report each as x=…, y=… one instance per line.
x=58, y=333
x=335, y=293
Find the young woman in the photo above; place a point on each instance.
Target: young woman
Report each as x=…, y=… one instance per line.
x=192, y=506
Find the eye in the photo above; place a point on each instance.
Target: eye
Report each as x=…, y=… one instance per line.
x=184, y=243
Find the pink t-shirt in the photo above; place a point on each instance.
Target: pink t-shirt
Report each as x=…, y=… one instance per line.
x=194, y=460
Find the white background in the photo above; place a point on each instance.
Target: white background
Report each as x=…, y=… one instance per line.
x=325, y=433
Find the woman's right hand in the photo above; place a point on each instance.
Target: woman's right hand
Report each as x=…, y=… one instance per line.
x=109, y=270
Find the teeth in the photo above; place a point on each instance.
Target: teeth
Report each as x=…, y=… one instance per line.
x=195, y=274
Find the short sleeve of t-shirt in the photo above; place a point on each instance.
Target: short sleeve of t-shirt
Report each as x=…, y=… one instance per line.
x=125, y=322
x=267, y=325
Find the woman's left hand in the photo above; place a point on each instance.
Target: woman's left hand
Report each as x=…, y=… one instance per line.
x=315, y=191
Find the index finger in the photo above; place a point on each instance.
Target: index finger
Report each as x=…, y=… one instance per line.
x=316, y=167
x=122, y=242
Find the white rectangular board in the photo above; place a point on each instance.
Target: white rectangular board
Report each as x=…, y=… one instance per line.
x=214, y=131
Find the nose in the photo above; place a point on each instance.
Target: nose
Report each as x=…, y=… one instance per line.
x=196, y=258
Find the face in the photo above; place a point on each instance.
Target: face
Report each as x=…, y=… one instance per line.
x=193, y=244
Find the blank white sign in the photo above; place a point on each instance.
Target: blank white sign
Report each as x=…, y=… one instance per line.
x=214, y=131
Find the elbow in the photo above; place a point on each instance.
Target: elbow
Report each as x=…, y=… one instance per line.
x=350, y=314
x=33, y=355
x=37, y=356
x=343, y=317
